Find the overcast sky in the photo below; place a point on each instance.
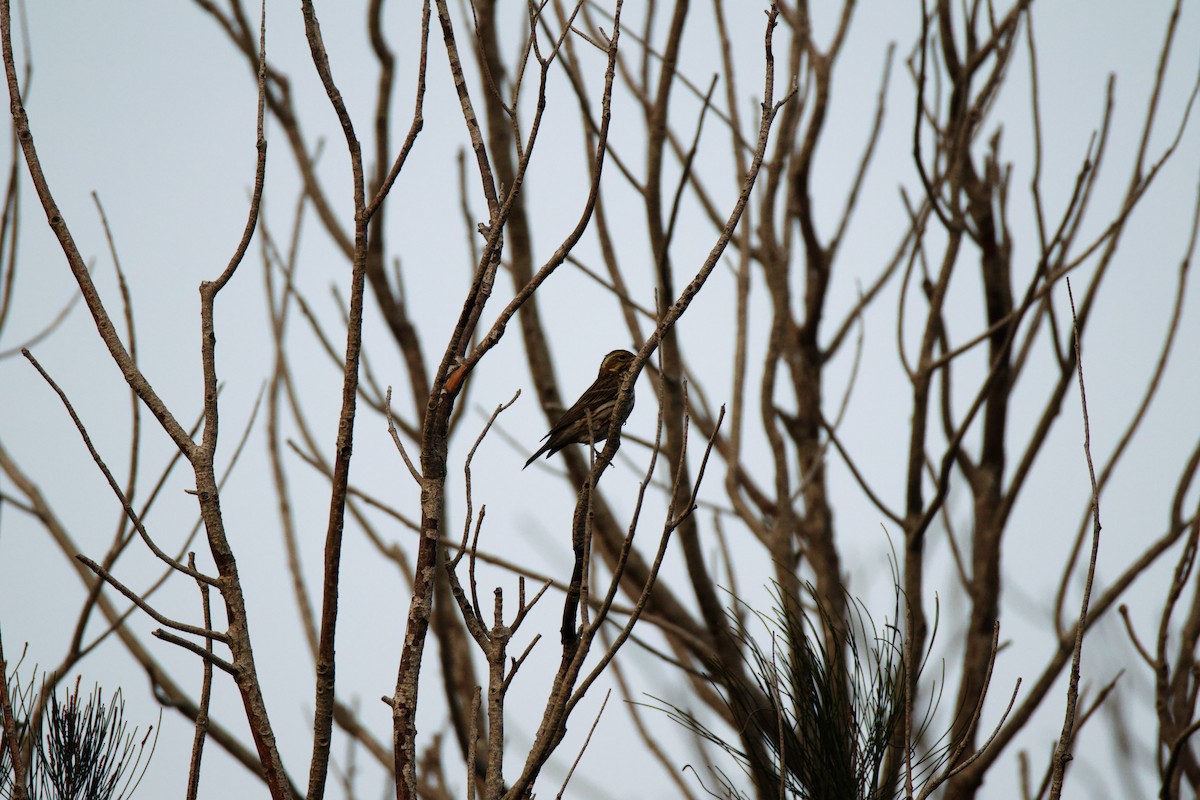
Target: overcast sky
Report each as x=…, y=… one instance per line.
x=148, y=106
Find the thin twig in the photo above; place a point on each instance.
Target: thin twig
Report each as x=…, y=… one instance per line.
x=205, y=695
x=1062, y=752
x=587, y=740
x=112, y=482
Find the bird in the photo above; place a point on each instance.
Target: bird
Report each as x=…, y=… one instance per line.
x=597, y=403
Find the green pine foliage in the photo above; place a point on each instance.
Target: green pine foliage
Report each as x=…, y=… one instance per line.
x=86, y=750
x=826, y=703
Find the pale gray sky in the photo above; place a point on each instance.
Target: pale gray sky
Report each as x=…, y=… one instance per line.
x=148, y=105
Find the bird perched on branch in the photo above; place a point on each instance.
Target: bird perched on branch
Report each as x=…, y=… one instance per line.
x=596, y=405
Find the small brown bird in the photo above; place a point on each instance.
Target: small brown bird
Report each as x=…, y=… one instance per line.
x=597, y=403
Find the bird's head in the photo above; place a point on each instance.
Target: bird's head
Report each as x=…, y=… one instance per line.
x=616, y=362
